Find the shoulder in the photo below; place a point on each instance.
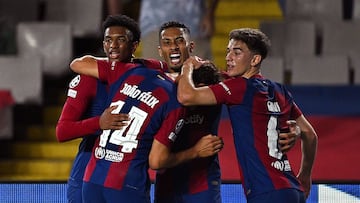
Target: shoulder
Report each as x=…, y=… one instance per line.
x=152, y=64
x=80, y=80
x=84, y=85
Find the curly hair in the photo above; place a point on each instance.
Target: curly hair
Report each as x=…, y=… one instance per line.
x=124, y=21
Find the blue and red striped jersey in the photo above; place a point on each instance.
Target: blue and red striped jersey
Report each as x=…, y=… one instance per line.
x=120, y=157
x=196, y=175
x=258, y=110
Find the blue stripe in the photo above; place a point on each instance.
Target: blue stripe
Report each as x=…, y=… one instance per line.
x=327, y=100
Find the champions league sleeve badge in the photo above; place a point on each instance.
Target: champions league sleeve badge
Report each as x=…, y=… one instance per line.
x=178, y=127
x=74, y=82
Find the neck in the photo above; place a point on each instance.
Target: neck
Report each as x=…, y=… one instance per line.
x=172, y=75
x=253, y=71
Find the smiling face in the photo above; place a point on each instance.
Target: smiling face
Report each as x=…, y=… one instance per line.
x=175, y=47
x=240, y=61
x=117, y=44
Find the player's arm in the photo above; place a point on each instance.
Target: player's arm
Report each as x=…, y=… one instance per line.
x=86, y=65
x=70, y=125
x=72, y=122
x=187, y=93
x=161, y=157
x=308, y=147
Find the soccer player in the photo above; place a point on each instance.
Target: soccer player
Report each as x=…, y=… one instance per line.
x=80, y=116
x=118, y=167
x=198, y=180
x=258, y=109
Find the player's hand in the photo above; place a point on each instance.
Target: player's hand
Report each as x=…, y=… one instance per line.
x=209, y=145
x=112, y=121
x=193, y=62
x=287, y=140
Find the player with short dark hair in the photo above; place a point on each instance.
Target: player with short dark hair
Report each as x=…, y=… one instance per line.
x=118, y=168
x=197, y=180
x=80, y=116
x=259, y=109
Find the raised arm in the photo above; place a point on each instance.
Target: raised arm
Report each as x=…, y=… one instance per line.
x=187, y=93
x=86, y=65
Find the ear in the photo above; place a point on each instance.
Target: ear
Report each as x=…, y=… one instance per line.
x=104, y=47
x=160, y=52
x=191, y=46
x=255, y=61
x=135, y=46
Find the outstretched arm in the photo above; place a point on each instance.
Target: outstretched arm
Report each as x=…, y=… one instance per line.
x=86, y=65
x=161, y=157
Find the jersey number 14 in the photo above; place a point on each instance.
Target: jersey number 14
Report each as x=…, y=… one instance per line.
x=127, y=136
